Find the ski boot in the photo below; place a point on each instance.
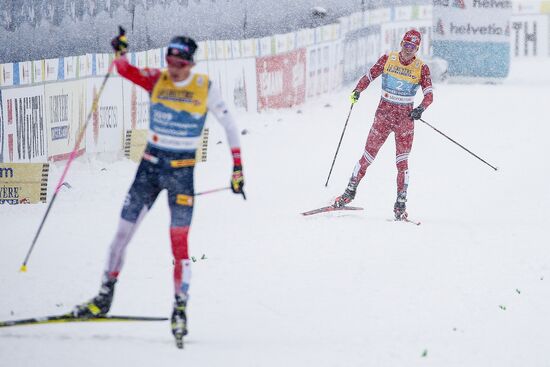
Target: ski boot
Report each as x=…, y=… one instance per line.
x=179, y=321
x=100, y=304
x=399, y=208
x=348, y=195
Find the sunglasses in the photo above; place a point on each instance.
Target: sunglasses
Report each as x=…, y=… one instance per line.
x=409, y=45
x=177, y=61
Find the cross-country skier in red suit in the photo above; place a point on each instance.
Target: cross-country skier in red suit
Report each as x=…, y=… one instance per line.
x=402, y=74
x=180, y=100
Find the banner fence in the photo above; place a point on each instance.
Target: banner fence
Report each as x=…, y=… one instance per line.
x=44, y=103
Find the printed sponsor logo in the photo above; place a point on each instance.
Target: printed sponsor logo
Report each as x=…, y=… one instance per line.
x=1, y=128
x=30, y=126
x=439, y=28
x=184, y=200
x=185, y=96
x=9, y=195
x=162, y=116
x=108, y=117
x=491, y=4
x=470, y=29
x=281, y=80
x=25, y=74
x=271, y=83
x=10, y=111
x=59, y=108
x=50, y=70
x=6, y=172
x=6, y=74
x=59, y=132
x=450, y=3
x=525, y=35
x=400, y=71
x=133, y=107
x=95, y=115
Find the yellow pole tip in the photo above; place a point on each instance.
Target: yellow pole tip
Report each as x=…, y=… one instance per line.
x=23, y=268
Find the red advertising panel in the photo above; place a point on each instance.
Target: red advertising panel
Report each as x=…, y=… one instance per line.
x=281, y=80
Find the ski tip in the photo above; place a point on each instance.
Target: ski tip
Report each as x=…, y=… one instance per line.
x=23, y=268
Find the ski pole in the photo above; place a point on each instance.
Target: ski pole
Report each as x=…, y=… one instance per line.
x=71, y=158
x=460, y=145
x=211, y=191
x=220, y=189
x=340, y=142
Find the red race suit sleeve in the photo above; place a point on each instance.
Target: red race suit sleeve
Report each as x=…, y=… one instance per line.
x=373, y=73
x=426, y=84
x=145, y=78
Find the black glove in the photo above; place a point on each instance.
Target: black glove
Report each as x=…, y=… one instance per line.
x=120, y=42
x=237, y=181
x=416, y=113
x=354, y=97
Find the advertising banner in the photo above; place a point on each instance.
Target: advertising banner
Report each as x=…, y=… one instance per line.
x=324, y=68
x=240, y=80
x=100, y=64
x=135, y=141
x=529, y=36
x=136, y=106
x=24, y=125
x=361, y=49
x=25, y=73
x=281, y=80
x=6, y=77
x=65, y=111
x=71, y=69
x=266, y=46
x=249, y=48
x=51, y=69
x=473, y=36
x=154, y=58
x=201, y=53
x=2, y=128
x=392, y=35
x=105, y=130
x=236, y=49
x=23, y=183
x=85, y=65
x=217, y=74
x=38, y=71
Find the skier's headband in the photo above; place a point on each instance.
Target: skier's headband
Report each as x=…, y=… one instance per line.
x=412, y=37
x=181, y=51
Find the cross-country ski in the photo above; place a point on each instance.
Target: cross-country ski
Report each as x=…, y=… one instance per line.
x=71, y=318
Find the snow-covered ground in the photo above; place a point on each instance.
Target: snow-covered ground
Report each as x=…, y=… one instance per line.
x=469, y=287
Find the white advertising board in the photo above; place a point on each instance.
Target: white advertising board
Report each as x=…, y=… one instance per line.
x=65, y=111
x=530, y=36
x=24, y=125
x=105, y=130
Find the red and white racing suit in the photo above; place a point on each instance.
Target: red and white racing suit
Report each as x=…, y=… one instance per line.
x=399, y=85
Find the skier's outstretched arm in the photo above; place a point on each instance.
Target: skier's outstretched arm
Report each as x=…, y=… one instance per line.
x=374, y=72
x=145, y=78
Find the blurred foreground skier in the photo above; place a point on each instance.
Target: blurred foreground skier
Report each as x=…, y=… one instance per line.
x=180, y=101
x=402, y=74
